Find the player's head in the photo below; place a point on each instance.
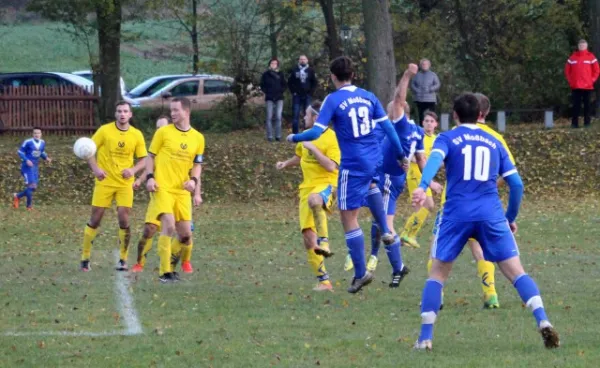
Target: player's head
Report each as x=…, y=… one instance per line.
x=425, y=64
x=37, y=133
x=430, y=121
x=405, y=107
x=466, y=109
x=303, y=60
x=123, y=112
x=342, y=71
x=311, y=114
x=162, y=121
x=273, y=64
x=180, y=109
x=582, y=45
x=484, y=105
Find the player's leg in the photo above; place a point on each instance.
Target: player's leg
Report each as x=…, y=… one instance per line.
x=319, y=201
x=315, y=261
x=309, y=199
x=144, y=246
x=499, y=245
x=23, y=193
x=124, y=199
x=384, y=185
x=89, y=234
x=486, y=274
x=415, y=221
x=164, y=203
x=183, y=218
x=375, y=204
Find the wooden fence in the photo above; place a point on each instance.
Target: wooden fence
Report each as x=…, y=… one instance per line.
x=62, y=110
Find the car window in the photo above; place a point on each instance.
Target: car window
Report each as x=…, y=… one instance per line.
x=158, y=85
x=87, y=76
x=20, y=81
x=215, y=86
x=52, y=81
x=189, y=88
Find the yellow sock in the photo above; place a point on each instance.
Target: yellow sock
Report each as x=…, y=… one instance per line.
x=124, y=236
x=186, y=251
x=89, y=235
x=317, y=265
x=320, y=221
x=176, y=247
x=485, y=272
x=164, y=252
x=429, y=265
x=146, y=246
x=415, y=222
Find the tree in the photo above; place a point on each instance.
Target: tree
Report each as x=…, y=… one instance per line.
x=332, y=40
x=381, y=65
x=594, y=21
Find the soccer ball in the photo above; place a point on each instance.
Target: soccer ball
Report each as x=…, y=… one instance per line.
x=84, y=148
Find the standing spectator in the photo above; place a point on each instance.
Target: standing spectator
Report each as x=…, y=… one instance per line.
x=302, y=83
x=582, y=72
x=424, y=87
x=273, y=85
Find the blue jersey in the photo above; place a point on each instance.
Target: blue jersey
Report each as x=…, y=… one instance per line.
x=32, y=150
x=474, y=160
x=355, y=114
x=411, y=137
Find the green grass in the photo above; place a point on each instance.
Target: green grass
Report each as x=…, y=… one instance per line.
x=250, y=304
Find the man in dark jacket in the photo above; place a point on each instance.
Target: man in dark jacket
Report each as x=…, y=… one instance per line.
x=302, y=83
x=272, y=83
x=582, y=72
x=424, y=87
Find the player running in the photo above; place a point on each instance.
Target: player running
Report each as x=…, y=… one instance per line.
x=355, y=114
x=30, y=153
x=113, y=166
x=319, y=160
x=474, y=161
x=175, y=150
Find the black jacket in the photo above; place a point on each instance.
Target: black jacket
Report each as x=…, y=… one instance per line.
x=302, y=89
x=273, y=84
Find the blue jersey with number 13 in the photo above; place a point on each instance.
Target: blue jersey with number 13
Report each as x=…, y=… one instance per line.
x=355, y=114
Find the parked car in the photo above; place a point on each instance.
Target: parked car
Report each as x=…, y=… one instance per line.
x=204, y=91
x=45, y=79
x=151, y=85
x=87, y=74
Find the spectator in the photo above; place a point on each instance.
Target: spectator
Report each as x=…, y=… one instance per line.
x=273, y=85
x=424, y=87
x=302, y=83
x=582, y=72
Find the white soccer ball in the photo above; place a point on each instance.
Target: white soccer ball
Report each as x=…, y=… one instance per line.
x=84, y=148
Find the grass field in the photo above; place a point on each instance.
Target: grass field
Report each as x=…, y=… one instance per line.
x=250, y=303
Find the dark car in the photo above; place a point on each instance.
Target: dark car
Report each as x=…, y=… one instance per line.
x=49, y=79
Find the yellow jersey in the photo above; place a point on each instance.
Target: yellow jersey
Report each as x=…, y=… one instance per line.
x=428, y=140
x=176, y=152
x=116, y=149
x=486, y=128
x=313, y=173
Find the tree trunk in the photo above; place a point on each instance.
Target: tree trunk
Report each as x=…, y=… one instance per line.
x=332, y=40
x=381, y=65
x=109, y=13
x=594, y=19
x=194, y=35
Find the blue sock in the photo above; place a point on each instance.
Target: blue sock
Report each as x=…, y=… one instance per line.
x=29, y=195
x=22, y=194
x=375, y=238
x=530, y=295
x=394, y=255
x=430, y=306
x=375, y=201
x=356, y=247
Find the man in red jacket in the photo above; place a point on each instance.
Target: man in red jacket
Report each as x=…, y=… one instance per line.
x=581, y=71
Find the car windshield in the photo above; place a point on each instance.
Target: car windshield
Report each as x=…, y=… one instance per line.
x=87, y=76
x=150, y=86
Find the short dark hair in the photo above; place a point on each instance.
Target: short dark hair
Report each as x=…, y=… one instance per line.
x=185, y=103
x=122, y=103
x=342, y=68
x=163, y=117
x=431, y=113
x=466, y=108
x=272, y=60
x=37, y=128
x=316, y=106
x=484, y=104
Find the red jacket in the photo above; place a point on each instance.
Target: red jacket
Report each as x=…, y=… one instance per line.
x=582, y=70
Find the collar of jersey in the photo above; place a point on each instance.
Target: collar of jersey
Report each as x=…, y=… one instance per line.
x=117, y=126
x=184, y=131
x=348, y=87
x=470, y=126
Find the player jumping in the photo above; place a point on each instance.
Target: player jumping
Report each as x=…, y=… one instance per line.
x=30, y=153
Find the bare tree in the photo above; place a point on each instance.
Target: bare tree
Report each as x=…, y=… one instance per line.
x=332, y=40
x=594, y=19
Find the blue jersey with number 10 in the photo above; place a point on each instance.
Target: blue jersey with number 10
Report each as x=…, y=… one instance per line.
x=355, y=114
x=474, y=160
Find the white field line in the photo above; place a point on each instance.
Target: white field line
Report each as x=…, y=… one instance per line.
x=65, y=333
x=126, y=307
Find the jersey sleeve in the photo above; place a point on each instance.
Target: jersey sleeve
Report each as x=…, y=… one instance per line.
x=299, y=150
x=333, y=150
x=199, y=158
x=140, y=147
x=505, y=145
x=98, y=137
x=379, y=113
x=441, y=145
x=507, y=167
x=420, y=145
x=326, y=114
x=157, y=141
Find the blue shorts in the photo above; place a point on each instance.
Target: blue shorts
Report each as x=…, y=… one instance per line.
x=496, y=239
x=391, y=187
x=30, y=174
x=353, y=189
x=436, y=223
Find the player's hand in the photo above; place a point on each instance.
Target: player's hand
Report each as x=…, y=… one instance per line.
x=404, y=164
x=418, y=198
x=137, y=183
x=127, y=173
x=513, y=227
x=412, y=69
x=280, y=165
x=197, y=200
x=29, y=163
x=48, y=160
x=190, y=186
x=99, y=174
x=151, y=185
x=309, y=146
x=290, y=138
x=436, y=187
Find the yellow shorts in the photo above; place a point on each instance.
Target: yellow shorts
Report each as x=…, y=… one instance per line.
x=327, y=193
x=105, y=195
x=152, y=213
x=412, y=182
x=176, y=204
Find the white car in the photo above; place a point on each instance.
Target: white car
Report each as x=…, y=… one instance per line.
x=87, y=74
x=45, y=79
x=148, y=87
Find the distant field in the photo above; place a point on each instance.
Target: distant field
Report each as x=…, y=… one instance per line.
x=147, y=49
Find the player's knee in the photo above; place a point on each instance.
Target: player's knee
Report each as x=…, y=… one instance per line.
x=168, y=229
x=149, y=231
x=33, y=187
x=309, y=238
x=185, y=239
x=315, y=201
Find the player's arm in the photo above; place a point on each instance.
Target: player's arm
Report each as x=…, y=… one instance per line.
x=325, y=116
x=509, y=172
x=98, y=139
x=327, y=163
x=198, y=190
x=402, y=91
x=155, y=146
x=44, y=155
x=195, y=179
x=294, y=161
x=380, y=117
